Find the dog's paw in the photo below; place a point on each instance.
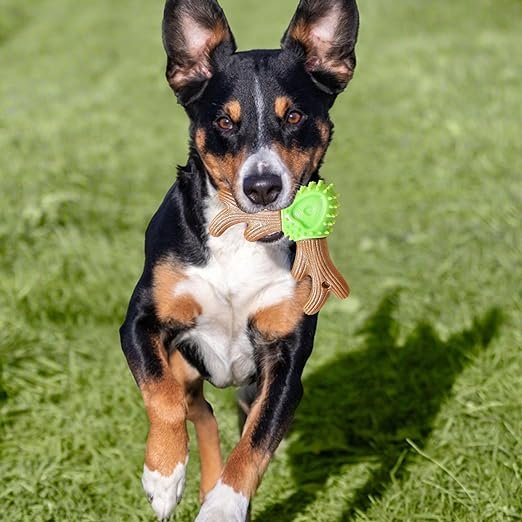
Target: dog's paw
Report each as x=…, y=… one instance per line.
x=164, y=492
x=223, y=504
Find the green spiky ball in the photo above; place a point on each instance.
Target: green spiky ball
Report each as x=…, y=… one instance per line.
x=312, y=213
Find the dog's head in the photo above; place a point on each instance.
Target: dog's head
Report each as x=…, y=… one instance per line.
x=259, y=119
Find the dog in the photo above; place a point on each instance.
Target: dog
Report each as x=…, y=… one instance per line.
x=224, y=309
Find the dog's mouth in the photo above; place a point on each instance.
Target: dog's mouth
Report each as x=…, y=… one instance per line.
x=272, y=238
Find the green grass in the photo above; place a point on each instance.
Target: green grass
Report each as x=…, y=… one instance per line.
x=413, y=402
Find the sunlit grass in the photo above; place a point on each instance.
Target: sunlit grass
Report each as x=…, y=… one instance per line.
x=412, y=407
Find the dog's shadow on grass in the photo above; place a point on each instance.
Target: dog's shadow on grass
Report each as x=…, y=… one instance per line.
x=362, y=407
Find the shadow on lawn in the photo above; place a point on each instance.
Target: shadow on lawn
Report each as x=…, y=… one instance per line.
x=362, y=407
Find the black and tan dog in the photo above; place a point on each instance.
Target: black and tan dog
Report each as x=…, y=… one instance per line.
x=223, y=309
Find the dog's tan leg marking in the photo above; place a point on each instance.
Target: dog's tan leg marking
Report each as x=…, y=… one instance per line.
x=184, y=309
x=246, y=464
x=200, y=414
x=167, y=411
x=207, y=433
x=166, y=450
x=229, y=498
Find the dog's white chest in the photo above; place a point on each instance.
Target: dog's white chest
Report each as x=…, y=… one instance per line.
x=240, y=278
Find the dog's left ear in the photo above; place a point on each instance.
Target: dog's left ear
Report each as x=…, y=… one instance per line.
x=194, y=32
x=323, y=33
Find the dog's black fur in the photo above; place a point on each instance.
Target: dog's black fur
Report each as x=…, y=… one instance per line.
x=238, y=103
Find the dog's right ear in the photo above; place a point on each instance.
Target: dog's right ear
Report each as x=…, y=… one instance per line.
x=193, y=31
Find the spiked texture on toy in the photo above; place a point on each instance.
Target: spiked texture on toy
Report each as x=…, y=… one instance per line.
x=312, y=213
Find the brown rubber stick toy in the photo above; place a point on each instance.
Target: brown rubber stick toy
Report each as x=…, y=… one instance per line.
x=307, y=221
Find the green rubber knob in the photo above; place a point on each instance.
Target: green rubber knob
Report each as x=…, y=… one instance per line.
x=312, y=213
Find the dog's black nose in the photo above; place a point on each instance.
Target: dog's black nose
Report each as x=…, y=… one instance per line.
x=262, y=189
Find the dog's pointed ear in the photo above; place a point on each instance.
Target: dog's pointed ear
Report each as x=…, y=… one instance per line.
x=193, y=32
x=323, y=33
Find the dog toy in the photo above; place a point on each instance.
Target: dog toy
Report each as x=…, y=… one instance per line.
x=308, y=221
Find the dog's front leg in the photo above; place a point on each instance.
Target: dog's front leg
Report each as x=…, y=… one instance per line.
x=280, y=366
x=201, y=415
x=164, y=390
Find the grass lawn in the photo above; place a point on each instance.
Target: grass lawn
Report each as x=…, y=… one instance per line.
x=413, y=396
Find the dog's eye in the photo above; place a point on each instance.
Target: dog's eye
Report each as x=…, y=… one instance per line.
x=225, y=123
x=294, y=117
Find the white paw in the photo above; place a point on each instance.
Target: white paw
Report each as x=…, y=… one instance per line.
x=164, y=492
x=223, y=504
